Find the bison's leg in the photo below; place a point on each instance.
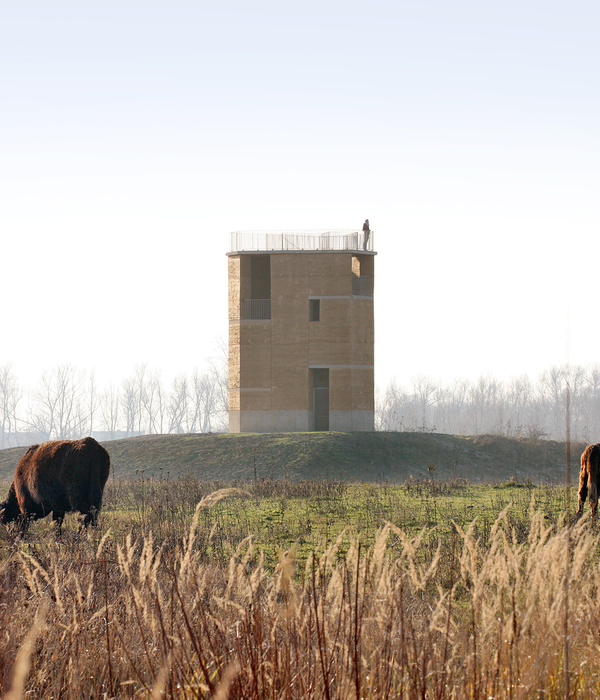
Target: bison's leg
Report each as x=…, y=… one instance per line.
x=594, y=503
x=58, y=517
x=581, y=501
x=583, y=492
x=25, y=520
x=90, y=518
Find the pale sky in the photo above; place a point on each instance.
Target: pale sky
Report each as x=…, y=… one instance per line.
x=134, y=136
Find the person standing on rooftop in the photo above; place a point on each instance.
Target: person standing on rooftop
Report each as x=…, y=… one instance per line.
x=366, y=233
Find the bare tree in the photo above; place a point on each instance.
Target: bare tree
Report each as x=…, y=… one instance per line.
x=110, y=410
x=10, y=395
x=92, y=401
x=552, y=392
x=485, y=406
x=577, y=386
x=130, y=405
x=391, y=407
x=213, y=400
x=60, y=408
x=519, y=395
x=457, y=398
x=426, y=394
x=153, y=403
x=219, y=372
x=591, y=427
x=178, y=407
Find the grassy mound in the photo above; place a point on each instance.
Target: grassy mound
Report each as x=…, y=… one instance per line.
x=350, y=457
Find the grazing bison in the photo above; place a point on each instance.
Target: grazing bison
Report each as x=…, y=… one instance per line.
x=58, y=477
x=589, y=478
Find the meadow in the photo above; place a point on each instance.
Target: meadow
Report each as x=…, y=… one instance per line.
x=305, y=589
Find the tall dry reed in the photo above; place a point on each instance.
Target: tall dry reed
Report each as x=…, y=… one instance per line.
x=146, y=619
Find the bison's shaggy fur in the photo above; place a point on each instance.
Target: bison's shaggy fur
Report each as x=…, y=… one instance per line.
x=589, y=478
x=58, y=477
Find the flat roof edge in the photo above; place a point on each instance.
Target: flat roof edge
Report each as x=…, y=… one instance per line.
x=300, y=252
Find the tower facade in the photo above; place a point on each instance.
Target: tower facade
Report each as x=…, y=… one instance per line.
x=301, y=331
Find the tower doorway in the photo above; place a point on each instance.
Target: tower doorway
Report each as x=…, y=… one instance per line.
x=320, y=382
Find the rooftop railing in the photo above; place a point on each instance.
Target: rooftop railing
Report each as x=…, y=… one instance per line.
x=337, y=239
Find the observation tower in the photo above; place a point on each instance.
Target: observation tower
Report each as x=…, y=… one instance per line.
x=301, y=331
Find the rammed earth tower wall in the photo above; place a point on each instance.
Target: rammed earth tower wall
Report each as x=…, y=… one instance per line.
x=301, y=334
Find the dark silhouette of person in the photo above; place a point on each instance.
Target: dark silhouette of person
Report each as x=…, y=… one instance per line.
x=366, y=233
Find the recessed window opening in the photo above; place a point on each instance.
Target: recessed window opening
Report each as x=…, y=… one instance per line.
x=314, y=309
x=260, y=276
x=255, y=287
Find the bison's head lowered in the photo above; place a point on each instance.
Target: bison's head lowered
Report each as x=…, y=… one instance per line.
x=9, y=509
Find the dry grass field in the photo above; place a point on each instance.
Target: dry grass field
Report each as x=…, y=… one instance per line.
x=314, y=589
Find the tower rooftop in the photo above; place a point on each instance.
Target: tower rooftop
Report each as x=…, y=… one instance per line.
x=350, y=240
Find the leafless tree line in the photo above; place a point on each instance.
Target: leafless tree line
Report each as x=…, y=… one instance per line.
x=68, y=403
x=519, y=407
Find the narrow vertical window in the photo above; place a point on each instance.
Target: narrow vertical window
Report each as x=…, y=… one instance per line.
x=314, y=309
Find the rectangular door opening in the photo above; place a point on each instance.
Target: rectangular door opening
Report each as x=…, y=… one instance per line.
x=320, y=382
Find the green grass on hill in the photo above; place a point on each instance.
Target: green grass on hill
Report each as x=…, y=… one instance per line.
x=349, y=457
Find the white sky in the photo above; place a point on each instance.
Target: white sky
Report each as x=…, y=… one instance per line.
x=134, y=136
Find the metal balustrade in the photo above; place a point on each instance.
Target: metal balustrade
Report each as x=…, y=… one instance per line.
x=255, y=309
x=321, y=239
x=362, y=286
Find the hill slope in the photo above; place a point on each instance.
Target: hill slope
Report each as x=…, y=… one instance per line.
x=340, y=456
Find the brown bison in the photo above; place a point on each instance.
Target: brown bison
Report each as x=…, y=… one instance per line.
x=589, y=478
x=58, y=477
